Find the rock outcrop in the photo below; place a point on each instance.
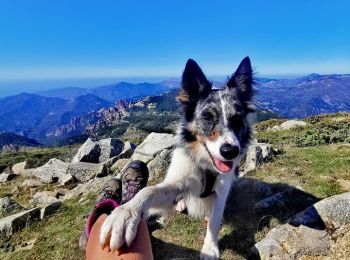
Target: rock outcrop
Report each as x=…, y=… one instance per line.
x=289, y=124
x=154, y=144
x=160, y=164
x=109, y=147
x=257, y=154
x=4, y=177
x=82, y=189
x=9, y=206
x=119, y=165
x=128, y=150
x=32, y=183
x=315, y=232
x=83, y=171
x=102, y=150
x=20, y=168
x=16, y=222
x=89, y=152
x=155, y=151
x=54, y=170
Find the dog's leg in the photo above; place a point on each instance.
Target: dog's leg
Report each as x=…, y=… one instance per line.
x=210, y=249
x=121, y=225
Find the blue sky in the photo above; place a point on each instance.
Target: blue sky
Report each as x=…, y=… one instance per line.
x=59, y=39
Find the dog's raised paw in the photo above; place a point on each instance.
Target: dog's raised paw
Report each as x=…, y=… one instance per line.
x=120, y=226
x=210, y=251
x=180, y=206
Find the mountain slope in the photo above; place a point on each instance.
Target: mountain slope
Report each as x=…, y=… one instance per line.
x=305, y=96
x=10, y=141
x=23, y=112
x=33, y=116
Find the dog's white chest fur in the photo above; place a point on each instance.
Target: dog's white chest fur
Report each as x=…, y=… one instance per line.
x=185, y=173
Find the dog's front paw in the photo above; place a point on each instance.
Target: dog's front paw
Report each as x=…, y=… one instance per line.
x=210, y=251
x=180, y=206
x=120, y=227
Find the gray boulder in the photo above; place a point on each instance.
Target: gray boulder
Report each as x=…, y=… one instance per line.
x=31, y=183
x=141, y=157
x=128, y=150
x=5, y=177
x=20, y=168
x=109, y=147
x=83, y=171
x=320, y=230
x=50, y=209
x=89, y=152
x=289, y=242
x=92, y=186
x=9, y=206
x=109, y=164
x=257, y=154
x=274, y=128
x=16, y=222
x=340, y=243
x=43, y=198
x=155, y=143
x=119, y=165
x=289, y=124
x=333, y=211
x=47, y=202
x=8, y=170
x=159, y=165
x=52, y=171
x=61, y=192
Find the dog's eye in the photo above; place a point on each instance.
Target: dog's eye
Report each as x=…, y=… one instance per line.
x=207, y=116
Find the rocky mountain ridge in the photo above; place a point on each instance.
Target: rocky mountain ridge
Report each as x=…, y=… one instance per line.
x=65, y=113
x=305, y=96
x=53, y=113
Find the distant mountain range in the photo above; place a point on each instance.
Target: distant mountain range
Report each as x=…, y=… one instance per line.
x=113, y=92
x=65, y=112
x=11, y=142
x=40, y=115
x=33, y=116
x=305, y=96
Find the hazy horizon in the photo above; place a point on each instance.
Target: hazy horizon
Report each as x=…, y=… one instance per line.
x=14, y=87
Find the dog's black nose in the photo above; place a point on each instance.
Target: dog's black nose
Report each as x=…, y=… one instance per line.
x=229, y=152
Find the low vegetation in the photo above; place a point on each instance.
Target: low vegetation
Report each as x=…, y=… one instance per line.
x=35, y=157
x=55, y=238
x=321, y=130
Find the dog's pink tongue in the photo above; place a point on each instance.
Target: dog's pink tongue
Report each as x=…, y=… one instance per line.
x=223, y=166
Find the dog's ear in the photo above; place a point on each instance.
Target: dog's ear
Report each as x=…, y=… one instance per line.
x=195, y=85
x=242, y=80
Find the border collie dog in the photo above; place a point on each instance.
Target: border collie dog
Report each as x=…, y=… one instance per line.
x=211, y=140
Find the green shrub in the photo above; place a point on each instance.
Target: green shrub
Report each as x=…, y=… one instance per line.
x=323, y=129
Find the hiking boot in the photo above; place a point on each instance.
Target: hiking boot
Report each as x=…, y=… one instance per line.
x=134, y=179
x=108, y=199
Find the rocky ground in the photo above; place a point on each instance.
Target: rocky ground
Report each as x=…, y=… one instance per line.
x=275, y=211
